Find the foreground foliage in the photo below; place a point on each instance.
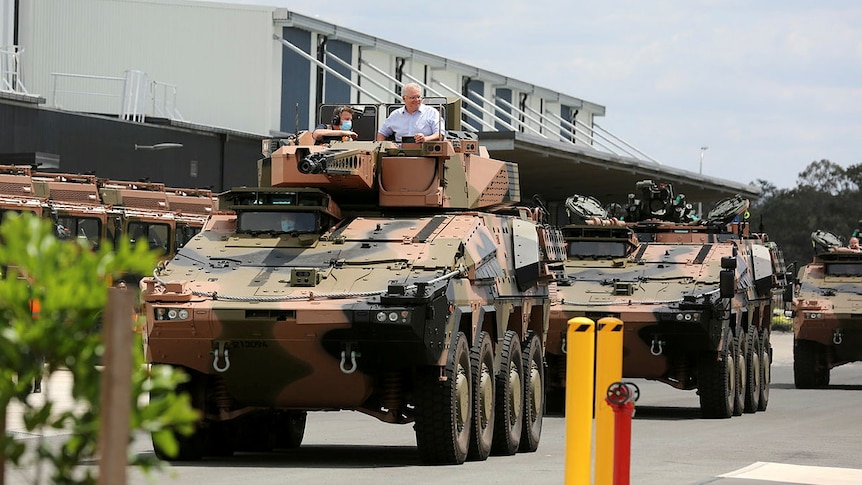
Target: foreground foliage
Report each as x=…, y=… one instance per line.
x=52, y=295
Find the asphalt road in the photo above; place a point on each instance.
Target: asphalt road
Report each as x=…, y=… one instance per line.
x=805, y=436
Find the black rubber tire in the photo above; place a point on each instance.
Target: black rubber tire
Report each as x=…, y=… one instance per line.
x=534, y=392
x=221, y=439
x=483, y=398
x=765, y=369
x=741, y=376
x=510, y=397
x=754, y=373
x=810, y=370
x=290, y=429
x=193, y=446
x=716, y=384
x=444, y=408
x=256, y=432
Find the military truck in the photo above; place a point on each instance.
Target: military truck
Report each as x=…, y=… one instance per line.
x=695, y=295
x=401, y=281
x=94, y=210
x=827, y=330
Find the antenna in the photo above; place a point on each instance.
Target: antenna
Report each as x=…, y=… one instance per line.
x=296, y=118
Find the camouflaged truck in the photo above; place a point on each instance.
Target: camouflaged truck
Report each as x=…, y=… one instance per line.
x=827, y=329
x=401, y=281
x=695, y=296
x=94, y=210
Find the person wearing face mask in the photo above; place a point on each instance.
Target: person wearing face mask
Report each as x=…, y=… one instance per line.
x=340, y=129
x=415, y=119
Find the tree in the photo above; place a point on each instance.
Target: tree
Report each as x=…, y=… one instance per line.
x=825, y=176
x=825, y=198
x=69, y=282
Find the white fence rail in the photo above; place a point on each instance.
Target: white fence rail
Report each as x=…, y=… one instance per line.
x=10, y=70
x=131, y=97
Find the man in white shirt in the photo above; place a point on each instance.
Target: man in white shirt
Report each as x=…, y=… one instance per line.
x=415, y=119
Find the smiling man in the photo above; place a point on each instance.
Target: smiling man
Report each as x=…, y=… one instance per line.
x=414, y=119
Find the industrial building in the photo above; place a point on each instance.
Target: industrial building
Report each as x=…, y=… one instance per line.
x=185, y=92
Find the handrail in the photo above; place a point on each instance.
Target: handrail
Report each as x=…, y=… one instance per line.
x=10, y=70
x=135, y=93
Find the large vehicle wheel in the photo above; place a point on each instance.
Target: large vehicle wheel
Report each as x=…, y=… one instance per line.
x=810, y=369
x=256, y=432
x=221, y=439
x=482, y=367
x=190, y=447
x=534, y=392
x=290, y=429
x=510, y=397
x=741, y=376
x=754, y=374
x=765, y=369
x=716, y=379
x=444, y=408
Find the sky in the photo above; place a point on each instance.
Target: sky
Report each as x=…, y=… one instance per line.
x=768, y=86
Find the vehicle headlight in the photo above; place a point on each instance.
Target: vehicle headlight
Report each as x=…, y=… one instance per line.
x=162, y=314
x=686, y=317
x=813, y=315
x=393, y=316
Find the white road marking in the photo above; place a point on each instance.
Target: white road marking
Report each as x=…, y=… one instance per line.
x=801, y=474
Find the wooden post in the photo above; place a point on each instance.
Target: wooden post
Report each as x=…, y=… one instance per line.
x=116, y=386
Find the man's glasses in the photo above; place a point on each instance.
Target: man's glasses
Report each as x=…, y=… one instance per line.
x=413, y=98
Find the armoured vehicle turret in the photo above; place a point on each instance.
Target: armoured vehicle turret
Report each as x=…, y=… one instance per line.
x=827, y=330
x=401, y=281
x=695, y=295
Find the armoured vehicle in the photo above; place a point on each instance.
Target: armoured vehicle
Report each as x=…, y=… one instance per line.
x=695, y=295
x=400, y=281
x=97, y=210
x=827, y=328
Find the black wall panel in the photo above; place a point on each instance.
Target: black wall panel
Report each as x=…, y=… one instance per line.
x=106, y=147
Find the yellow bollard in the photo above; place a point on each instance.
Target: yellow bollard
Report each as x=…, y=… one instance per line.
x=609, y=369
x=580, y=357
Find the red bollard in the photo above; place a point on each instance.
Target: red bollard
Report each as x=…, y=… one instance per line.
x=621, y=397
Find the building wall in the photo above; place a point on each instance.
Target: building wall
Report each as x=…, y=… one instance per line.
x=384, y=62
x=296, y=81
x=7, y=23
x=217, y=55
x=228, y=70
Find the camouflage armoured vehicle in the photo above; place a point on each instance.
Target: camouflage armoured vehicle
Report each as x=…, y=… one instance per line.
x=827, y=329
x=695, y=296
x=95, y=210
x=399, y=281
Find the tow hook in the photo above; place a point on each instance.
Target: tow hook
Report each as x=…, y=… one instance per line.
x=353, y=356
x=837, y=336
x=656, y=346
x=226, y=353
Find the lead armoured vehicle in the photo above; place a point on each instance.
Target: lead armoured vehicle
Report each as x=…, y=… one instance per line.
x=827, y=329
x=695, y=295
x=401, y=281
